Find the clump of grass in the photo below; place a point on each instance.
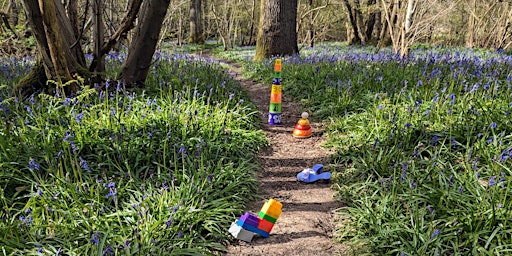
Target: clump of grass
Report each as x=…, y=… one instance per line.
x=159, y=171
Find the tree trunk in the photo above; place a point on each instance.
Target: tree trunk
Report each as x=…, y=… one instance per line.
x=196, y=25
x=54, y=35
x=142, y=47
x=13, y=10
x=353, y=18
x=470, y=39
x=98, y=37
x=311, y=26
x=277, y=34
x=121, y=33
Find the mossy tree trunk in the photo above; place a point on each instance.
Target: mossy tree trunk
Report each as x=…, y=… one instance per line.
x=277, y=34
x=60, y=52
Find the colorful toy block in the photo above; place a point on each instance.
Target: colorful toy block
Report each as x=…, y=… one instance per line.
x=254, y=229
x=240, y=233
x=250, y=219
x=266, y=217
x=265, y=225
x=250, y=224
x=272, y=208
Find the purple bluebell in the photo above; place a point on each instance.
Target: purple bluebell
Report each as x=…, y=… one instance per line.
x=432, y=211
x=32, y=165
x=74, y=147
x=452, y=99
x=108, y=251
x=436, y=233
x=492, y=181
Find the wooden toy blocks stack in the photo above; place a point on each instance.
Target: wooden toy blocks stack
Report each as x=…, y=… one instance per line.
x=250, y=224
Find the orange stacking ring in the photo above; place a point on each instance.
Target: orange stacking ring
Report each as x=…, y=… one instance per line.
x=302, y=127
x=275, y=97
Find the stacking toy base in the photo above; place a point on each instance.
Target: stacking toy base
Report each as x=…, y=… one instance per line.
x=301, y=133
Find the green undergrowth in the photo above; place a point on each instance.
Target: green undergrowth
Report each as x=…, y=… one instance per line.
x=159, y=171
x=422, y=144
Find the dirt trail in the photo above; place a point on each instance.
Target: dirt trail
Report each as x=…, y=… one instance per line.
x=305, y=226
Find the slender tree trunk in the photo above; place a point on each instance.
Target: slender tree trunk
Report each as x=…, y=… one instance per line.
x=277, y=34
x=470, y=39
x=353, y=19
x=371, y=23
x=127, y=24
x=142, y=48
x=98, y=37
x=196, y=25
x=311, y=26
x=13, y=10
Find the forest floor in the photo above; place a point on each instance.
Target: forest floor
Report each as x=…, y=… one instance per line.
x=306, y=224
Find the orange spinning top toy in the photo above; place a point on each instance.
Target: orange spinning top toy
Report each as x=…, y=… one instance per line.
x=302, y=128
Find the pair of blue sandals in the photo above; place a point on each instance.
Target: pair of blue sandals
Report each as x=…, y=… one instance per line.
x=310, y=175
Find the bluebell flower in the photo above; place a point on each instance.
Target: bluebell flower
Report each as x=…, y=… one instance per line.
x=210, y=178
x=461, y=189
x=493, y=125
x=402, y=177
x=452, y=99
x=32, y=165
x=84, y=165
x=29, y=110
x=74, y=147
x=432, y=211
x=435, y=139
x=376, y=143
x=168, y=223
x=79, y=117
x=492, y=181
x=407, y=125
x=436, y=233
x=453, y=142
x=95, y=238
x=182, y=151
x=32, y=100
x=477, y=175
x=59, y=154
x=111, y=193
x=108, y=251
x=68, y=135
x=119, y=88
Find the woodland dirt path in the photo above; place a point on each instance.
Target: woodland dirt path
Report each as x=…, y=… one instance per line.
x=305, y=226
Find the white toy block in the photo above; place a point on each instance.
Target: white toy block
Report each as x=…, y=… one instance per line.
x=240, y=233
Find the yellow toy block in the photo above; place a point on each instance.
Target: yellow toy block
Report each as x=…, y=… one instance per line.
x=272, y=208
